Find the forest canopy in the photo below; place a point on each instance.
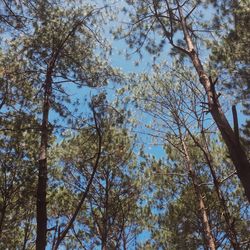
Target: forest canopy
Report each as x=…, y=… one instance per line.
x=124, y=124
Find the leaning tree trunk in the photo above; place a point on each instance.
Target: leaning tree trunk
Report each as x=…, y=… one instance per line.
x=236, y=151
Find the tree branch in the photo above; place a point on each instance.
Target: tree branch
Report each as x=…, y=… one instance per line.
x=85, y=193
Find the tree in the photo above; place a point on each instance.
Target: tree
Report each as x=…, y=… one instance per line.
x=178, y=121
x=18, y=149
x=231, y=53
x=72, y=175
x=171, y=20
x=107, y=214
x=17, y=177
x=58, y=49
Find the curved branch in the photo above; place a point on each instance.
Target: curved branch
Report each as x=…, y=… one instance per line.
x=85, y=193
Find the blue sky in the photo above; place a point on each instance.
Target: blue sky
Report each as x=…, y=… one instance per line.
x=118, y=60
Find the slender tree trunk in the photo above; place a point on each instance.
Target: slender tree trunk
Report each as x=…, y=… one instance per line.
x=62, y=235
x=210, y=241
x=236, y=151
x=235, y=7
x=124, y=240
x=202, y=208
x=3, y=211
x=41, y=203
x=231, y=231
x=45, y=131
x=106, y=211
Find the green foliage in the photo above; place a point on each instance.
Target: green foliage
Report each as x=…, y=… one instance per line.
x=17, y=180
x=170, y=103
x=109, y=215
x=231, y=55
x=134, y=193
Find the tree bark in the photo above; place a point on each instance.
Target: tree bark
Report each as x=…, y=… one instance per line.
x=230, y=229
x=203, y=145
x=41, y=206
x=3, y=211
x=236, y=151
x=210, y=241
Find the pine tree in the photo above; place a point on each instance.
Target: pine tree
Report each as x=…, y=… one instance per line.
x=231, y=53
x=107, y=213
x=156, y=23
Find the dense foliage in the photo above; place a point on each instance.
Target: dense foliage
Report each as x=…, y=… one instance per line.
x=95, y=157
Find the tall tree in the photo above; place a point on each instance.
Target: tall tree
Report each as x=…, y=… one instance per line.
x=59, y=49
x=172, y=102
x=231, y=53
x=171, y=20
x=107, y=215
x=17, y=175
x=18, y=149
